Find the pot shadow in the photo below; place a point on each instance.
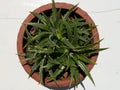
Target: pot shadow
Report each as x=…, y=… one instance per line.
x=68, y=88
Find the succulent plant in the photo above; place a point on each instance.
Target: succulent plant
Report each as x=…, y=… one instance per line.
x=59, y=44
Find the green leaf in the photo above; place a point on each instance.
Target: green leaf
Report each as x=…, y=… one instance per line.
x=58, y=19
x=41, y=70
x=68, y=62
x=90, y=39
x=91, y=45
x=47, y=20
x=70, y=11
x=55, y=17
x=84, y=68
x=82, y=38
x=35, y=66
x=59, y=70
x=28, y=33
x=54, y=12
x=52, y=43
x=77, y=76
x=36, y=37
x=67, y=43
x=75, y=32
x=38, y=25
x=92, y=51
x=83, y=31
x=39, y=16
x=90, y=48
x=45, y=51
x=82, y=58
x=60, y=30
x=81, y=24
x=43, y=43
x=55, y=61
x=72, y=72
x=68, y=27
x=52, y=76
x=85, y=59
x=21, y=54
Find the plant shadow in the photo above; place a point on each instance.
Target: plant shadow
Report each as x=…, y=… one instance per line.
x=68, y=88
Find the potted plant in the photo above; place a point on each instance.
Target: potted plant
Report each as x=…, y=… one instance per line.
x=58, y=45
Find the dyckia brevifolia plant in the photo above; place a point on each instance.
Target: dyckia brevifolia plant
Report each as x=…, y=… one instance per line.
x=59, y=44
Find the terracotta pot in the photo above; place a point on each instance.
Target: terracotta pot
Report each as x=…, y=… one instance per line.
x=27, y=67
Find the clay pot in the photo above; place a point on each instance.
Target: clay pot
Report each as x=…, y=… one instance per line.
x=27, y=67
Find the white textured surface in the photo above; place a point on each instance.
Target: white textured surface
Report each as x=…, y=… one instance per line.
x=105, y=13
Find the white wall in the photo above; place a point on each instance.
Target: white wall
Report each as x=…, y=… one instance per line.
x=105, y=13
